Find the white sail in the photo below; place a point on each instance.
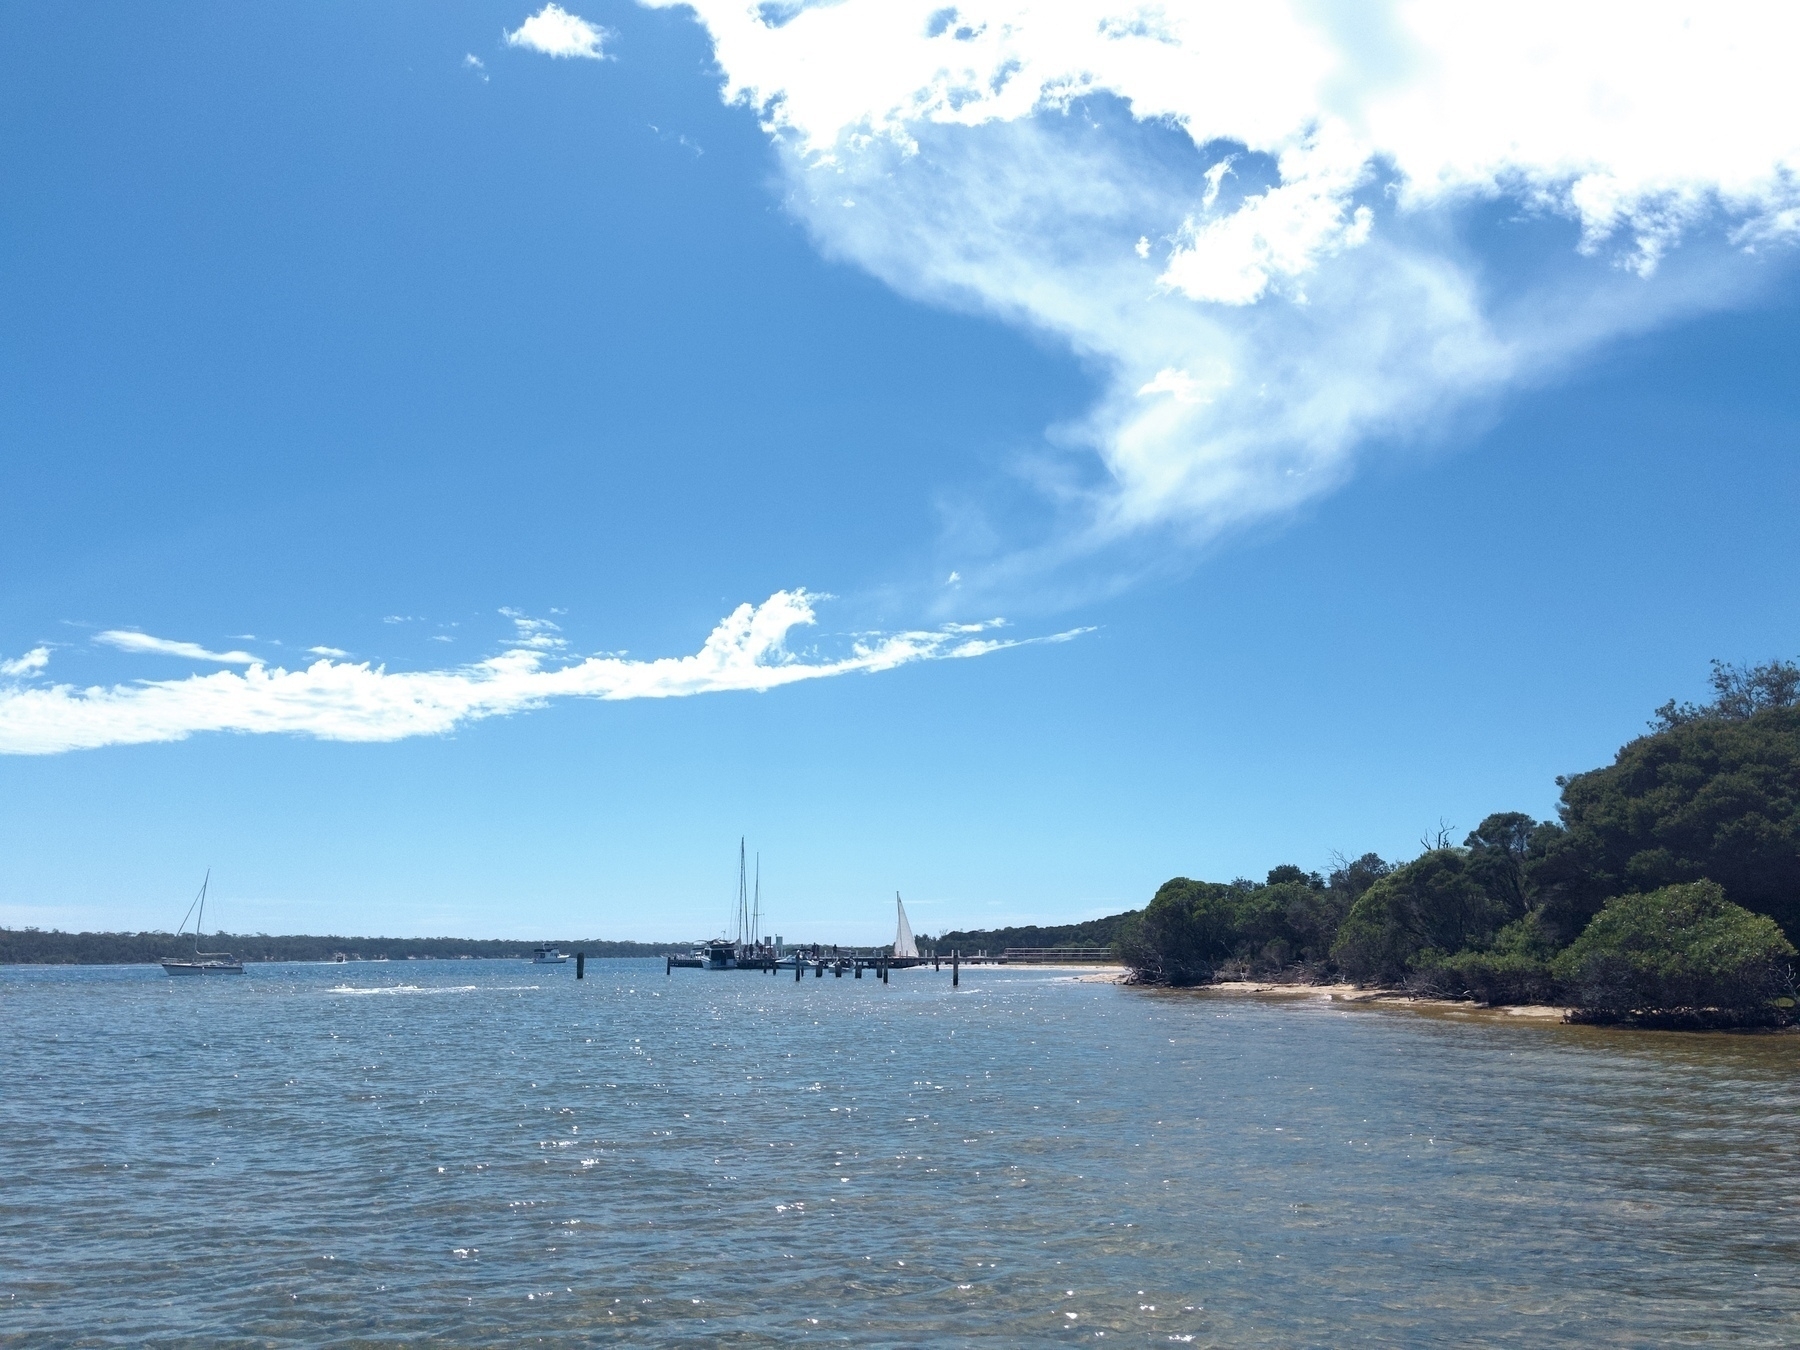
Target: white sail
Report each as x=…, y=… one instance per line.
x=903, y=938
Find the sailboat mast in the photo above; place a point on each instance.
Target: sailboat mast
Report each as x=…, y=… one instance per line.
x=756, y=914
x=743, y=904
x=200, y=922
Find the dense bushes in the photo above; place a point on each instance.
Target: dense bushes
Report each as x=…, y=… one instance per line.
x=1678, y=862
x=1679, y=949
x=1190, y=930
x=1436, y=903
x=1706, y=798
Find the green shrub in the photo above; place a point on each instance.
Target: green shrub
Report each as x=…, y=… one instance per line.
x=1683, y=948
x=1516, y=969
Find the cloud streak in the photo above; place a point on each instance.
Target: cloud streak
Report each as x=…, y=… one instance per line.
x=129, y=640
x=345, y=701
x=1280, y=232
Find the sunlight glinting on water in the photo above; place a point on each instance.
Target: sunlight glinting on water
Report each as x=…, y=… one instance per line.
x=727, y=1156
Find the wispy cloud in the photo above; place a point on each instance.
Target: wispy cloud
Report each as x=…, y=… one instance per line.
x=556, y=32
x=1268, y=226
x=29, y=664
x=539, y=634
x=334, y=700
x=128, y=640
x=327, y=651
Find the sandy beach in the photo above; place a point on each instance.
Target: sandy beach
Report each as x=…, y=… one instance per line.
x=1349, y=993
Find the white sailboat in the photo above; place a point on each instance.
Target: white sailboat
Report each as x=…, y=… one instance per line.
x=203, y=963
x=904, y=946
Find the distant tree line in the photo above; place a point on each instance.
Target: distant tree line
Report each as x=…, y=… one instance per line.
x=1666, y=892
x=1092, y=933
x=32, y=946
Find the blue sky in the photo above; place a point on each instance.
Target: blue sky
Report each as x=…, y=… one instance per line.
x=367, y=331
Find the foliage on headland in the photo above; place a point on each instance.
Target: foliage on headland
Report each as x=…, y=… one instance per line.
x=1091, y=933
x=1667, y=891
x=32, y=946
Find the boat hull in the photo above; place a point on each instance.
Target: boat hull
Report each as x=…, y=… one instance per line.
x=203, y=967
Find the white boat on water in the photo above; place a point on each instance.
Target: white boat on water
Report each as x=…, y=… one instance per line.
x=548, y=956
x=201, y=963
x=905, y=949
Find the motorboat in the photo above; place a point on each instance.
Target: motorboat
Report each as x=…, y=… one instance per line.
x=548, y=956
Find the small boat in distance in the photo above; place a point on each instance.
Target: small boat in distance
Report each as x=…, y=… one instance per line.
x=203, y=963
x=548, y=956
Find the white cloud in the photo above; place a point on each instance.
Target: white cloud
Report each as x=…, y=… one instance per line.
x=342, y=701
x=29, y=664
x=535, y=633
x=327, y=651
x=556, y=32
x=127, y=640
x=1325, y=177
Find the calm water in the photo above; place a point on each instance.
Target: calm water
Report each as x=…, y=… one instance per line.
x=486, y=1152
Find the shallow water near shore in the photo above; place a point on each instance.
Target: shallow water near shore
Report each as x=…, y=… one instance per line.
x=481, y=1153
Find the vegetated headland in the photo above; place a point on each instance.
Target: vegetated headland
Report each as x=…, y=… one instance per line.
x=32, y=946
x=1666, y=893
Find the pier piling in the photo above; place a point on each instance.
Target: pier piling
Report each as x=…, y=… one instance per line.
x=581, y=965
x=955, y=969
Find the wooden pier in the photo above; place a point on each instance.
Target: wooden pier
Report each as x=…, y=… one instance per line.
x=839, y=960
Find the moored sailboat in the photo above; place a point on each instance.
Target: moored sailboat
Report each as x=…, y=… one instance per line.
x=202, y=963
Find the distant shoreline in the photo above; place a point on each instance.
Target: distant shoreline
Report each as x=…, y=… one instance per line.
x=39, y=947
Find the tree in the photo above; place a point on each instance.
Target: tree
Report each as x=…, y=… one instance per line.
x=1351, y=877
x=1182, y=935
x=1739, y=692
x=1710, y=797
x=1681, y=948
x=1433, y=903
x=1499, y=850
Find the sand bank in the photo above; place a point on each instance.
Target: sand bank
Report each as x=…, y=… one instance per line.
x=1349, y=993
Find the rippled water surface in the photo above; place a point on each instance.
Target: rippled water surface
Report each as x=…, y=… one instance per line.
x=487, y=1152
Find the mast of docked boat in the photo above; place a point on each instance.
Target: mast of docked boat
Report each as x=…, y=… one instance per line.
x=743, y=896
x=200, y=922
x=756, y=913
